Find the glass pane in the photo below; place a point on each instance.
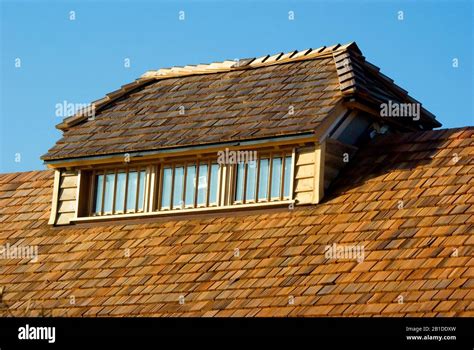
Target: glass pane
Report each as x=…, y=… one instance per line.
x=132, y=190
x=190, y=185
x=287, y=176
x=178, y=187
x=251, y=181
x=202, y=185
x=120, y=194
x=98, y=193
x=263, y=179
x=141, y=190
x=239, y=187
x=276, y=178
x=166, y=193
x=213, y=189
x=109, y=192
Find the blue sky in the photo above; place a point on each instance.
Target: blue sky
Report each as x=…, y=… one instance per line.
x=81, y=60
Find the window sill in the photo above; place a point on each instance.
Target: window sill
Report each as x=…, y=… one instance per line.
x=179, y=212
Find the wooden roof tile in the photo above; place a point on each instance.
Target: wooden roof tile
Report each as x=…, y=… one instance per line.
x=408, y=251
x=252, y=95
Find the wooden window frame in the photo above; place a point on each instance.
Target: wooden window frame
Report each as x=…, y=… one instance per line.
x=226, y=183
x=283, y=154
x=209, y=161
x=93, y=211
x=258, y=166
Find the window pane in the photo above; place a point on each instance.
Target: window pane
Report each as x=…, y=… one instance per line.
x=109, y=192
x=120, y=194
x=213, y=189
x=178, y=187
x=251, y=181
x=132, y=190
x=276, y=178
x=239, y=187
x=202, y=185
x=190, y=185
x=166, y=193
x=141, y=193
x=98, y=193
x=263, y=180
x=287, y=176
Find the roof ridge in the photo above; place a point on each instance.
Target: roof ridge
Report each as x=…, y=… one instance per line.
x=246, y=63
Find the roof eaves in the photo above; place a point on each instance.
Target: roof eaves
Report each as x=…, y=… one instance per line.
x=292, y=138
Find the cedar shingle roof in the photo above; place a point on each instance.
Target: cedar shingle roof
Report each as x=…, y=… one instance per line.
x=228, y=101
x=420, y=250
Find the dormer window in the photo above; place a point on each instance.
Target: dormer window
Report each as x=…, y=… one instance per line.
x=278, y=175
x=178, y=184
x=304, y=112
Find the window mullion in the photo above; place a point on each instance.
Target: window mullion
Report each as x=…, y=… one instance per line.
x=244, y=190
x=229, y=198
x=183, y=196
x=160, y=182
x=269, y=185
x=114, y=193
x=219, y=184
x=183, y=184
x=126, y=192
x=208, y=188
x=156, y=185
x=103, y=193
x=150, y=197
x=146, y=183
x=282, y=175
x=93, y=190
x=257, y=184
x=137, y=194
x=292, y=172
x=196, y=184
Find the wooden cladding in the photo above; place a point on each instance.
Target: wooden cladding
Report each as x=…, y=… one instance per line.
x=305, y=171
x=64, y=202
x=316, y=168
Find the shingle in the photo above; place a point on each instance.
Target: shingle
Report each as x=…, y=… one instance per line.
x=408, y=252
x=254, y=98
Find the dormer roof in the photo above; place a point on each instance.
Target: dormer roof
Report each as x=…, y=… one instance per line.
x=285, y=94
